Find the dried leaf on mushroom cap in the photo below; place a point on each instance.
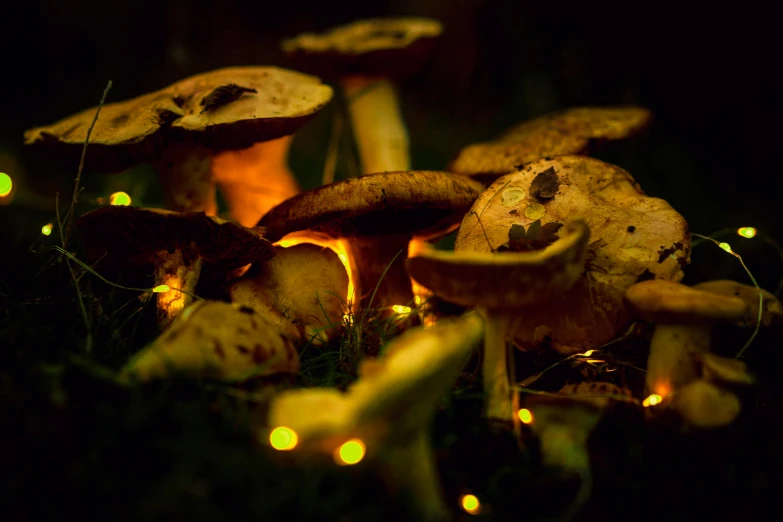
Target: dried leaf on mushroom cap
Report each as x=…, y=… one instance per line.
x=216, y=340
x=666, y=302
x=633, y=237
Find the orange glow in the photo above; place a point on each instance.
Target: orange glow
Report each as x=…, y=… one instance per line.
x=525, y=415
x=470, y=503
x=652, y=400
x=283, y=439
x=121, y=199
x=421, y=294
x=351, y=452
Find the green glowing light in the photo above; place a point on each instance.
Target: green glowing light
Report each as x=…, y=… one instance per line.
x=6, y=184
x=725, y=246
x=121, y=199
x=46, y=229
x=747, y=232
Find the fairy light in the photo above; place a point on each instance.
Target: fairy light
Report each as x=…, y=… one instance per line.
x=47, y=229
x=283, y=439
x=525, y=415
x=470, y=503
x=652, y=400
x=6, y=184
x=746, y=232
x=351, y=452
x=401, y=309
x=120, y=199
x=726, y=247
x=161, y=289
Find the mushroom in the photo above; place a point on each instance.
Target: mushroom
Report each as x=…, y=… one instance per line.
x=181, y=127
x=215, y=340
x=501, y=286
x=366, y=56
x=175, y=244
x=771, y=308
x=684, y=318
x=303, y=288
x=633, y=237
x=570, y=131
x=388, y=409
x=704, y=405
x=378, y=215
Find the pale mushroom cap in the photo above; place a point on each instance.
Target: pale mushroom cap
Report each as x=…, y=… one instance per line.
x=771, y=308
x=138, y=129
x=589, y=122
x=416, y=202
x=704, y=405
x=723, y=370
x=667, y=302
x=633, y=237
x=306, y=284
x=505, y=280
x=212, y=339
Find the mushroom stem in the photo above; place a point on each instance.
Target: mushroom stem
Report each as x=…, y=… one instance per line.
x=255, y=179
x=373, y=256
x=378, y=125
x=186, y=178
x=174, y=271
x=495, y=369
x=410, y=468
x=671, y=363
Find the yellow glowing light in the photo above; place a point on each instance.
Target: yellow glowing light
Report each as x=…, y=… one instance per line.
x=6, y=184
x=401, y=309
x=161, y=289
x=351, y=452
x=470, y=503
x=417, y=300
x=652, y=400
x=725, y=246
x=283, y=439
x=525, y=415
x=746, y=232
x=121, y=199
x=47, y=229
x=588, y=353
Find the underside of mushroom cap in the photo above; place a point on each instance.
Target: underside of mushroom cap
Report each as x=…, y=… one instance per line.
x=667, y=302
x=633, y=237
x=277, y=102
x=132, y=236
x=421, y=203
x=506, y=280
x=371, y=47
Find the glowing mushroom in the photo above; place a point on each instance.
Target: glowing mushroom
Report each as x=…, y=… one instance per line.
x=387, y=411
x=181, y=127
x=303, y=288
x=502, y=286
x=571, y=131
x=366, y=56
x=175, y=244
x=215, y=340
x=378, y=215
x=633, y=237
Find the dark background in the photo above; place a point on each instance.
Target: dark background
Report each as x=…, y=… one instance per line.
x=708, y=76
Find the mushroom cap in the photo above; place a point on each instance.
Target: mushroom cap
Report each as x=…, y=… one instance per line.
x=570, y=131
x=421, y=203
x=506, y=280
x=305, y=284
x=771, y=308
x=704, y=405
x=212, y=339
x=137, y=130
x=667, y=302
x=371, y=47
x=723, y=371
x=632, y=237
x=132, y=236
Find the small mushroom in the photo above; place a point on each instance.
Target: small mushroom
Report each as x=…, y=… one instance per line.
x=502, y=285
x=215, y=340
x=570, y=131
x=378, y=215
x=175, y=244
x=181, y=127
x=704, y=405
x=684, y=318
x=723, y=371
x=303, y=288
x=633, y=237
x=389, y=408
x=366, y=56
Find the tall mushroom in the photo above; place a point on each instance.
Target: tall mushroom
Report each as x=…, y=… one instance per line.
x=570, y=131
x=366, y=56
x=633, y=237
x=502, y=286
x=175, y=244
x=180, y=128
x=378, y=215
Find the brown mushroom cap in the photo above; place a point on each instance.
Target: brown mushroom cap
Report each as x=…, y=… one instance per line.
x=633, y=237
x=138, y=130
x=667, y=302
x=723, y=371
x=771, y=308
x=417, y=202
x=132, y=236
x=570, y=131
x=372, y=47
